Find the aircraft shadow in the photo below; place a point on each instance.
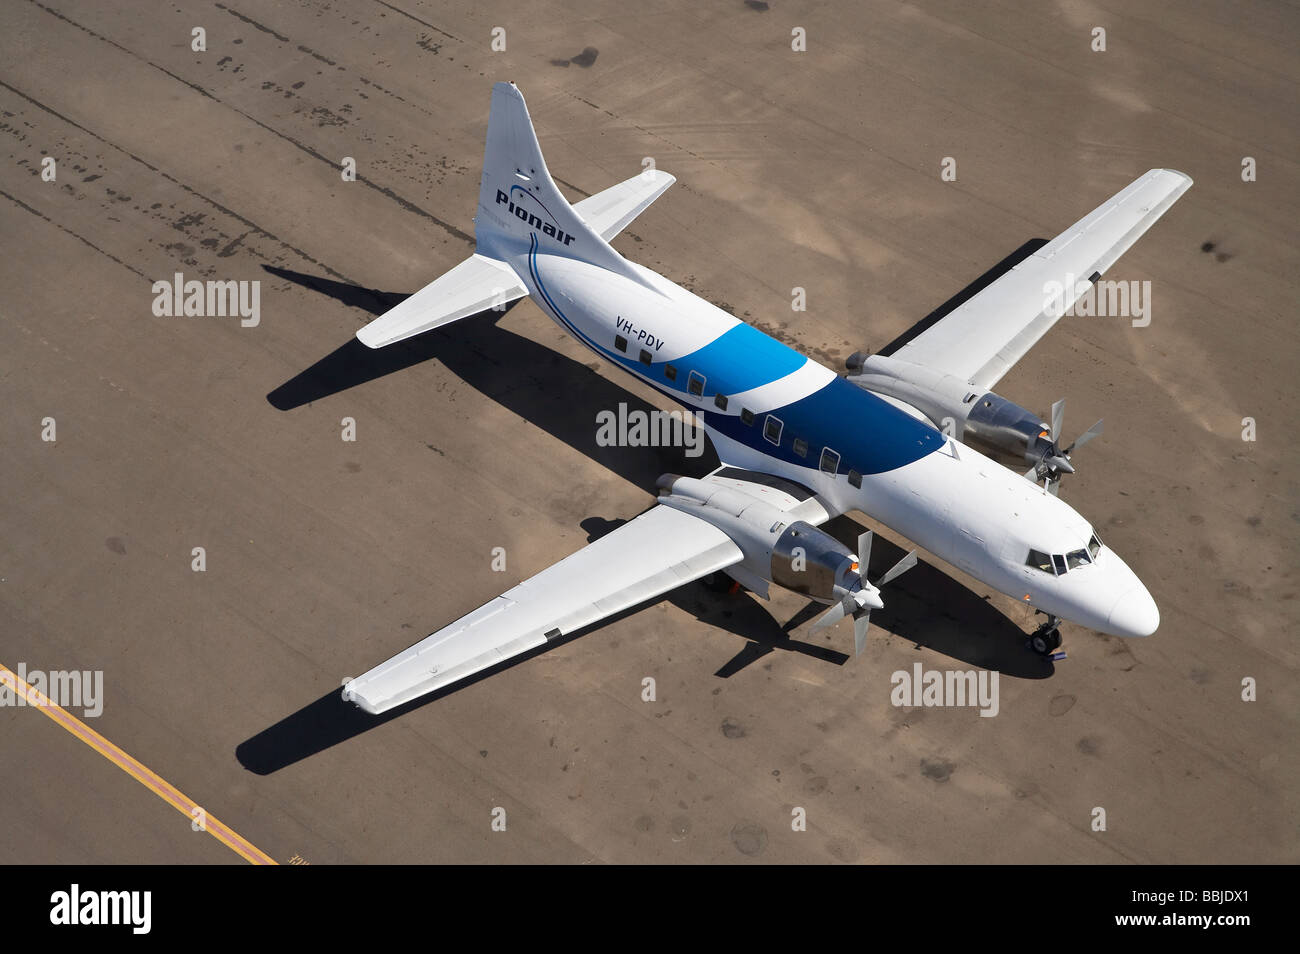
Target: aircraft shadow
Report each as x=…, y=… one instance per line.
x=330, y=720
x=548, y=389
x=965, y=295
x=924, y=606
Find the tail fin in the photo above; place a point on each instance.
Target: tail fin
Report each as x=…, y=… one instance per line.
x=518, y=199
x=518, y=205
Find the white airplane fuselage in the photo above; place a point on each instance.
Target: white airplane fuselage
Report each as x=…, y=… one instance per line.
x=782, y=413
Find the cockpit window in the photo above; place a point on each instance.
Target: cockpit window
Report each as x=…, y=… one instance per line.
x=1059, y=563
x=1040, y=561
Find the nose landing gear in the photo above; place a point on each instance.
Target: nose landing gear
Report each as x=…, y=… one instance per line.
x=1046, y=640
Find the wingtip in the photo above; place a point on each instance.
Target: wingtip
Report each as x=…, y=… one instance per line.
x=351, y=695
x=1181, y=175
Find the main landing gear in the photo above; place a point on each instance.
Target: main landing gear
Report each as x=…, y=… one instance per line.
x=719, y=582
x=1046, y=640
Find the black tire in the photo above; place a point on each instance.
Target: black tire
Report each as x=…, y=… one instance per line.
x=1045, y=643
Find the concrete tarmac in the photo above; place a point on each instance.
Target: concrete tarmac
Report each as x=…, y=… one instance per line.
x=817, y=169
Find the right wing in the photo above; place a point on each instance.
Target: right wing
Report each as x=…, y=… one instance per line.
x=658, y=551
x=981, y=339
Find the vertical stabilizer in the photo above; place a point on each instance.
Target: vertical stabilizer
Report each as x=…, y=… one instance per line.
x=518, y=199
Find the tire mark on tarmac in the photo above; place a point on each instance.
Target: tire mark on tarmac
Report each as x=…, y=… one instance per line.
x=411, y=16
x=326, y=60
x=81, y=238
x=253, y=226
x=253, y=23
x=406, y=204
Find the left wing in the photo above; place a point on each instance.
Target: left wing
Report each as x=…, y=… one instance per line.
x=658, y=551
x=980, y=340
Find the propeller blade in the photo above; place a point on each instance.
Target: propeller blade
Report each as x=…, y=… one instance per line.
x=898, y=569
x=1086, y=436
x=1058, y=419
x=1054, y=487
x=834, y=614
x=864, y=551
x=860, y=631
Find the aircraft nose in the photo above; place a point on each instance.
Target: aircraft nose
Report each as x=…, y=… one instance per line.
x=1134, y=614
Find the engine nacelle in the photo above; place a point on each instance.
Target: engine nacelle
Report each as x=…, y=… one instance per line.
x=791, y=553
x=978, y=417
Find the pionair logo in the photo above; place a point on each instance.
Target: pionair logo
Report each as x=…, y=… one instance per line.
x=523, y=215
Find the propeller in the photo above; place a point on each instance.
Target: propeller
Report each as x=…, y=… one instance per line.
x=1055, y=461
x=859, y=601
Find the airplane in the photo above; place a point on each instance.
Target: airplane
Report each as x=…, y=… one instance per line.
x=917, y=439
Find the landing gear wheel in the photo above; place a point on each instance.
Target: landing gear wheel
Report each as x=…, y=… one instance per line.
x=1045, y=641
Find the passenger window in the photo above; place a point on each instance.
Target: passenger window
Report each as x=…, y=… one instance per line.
x=620, y=343
x=801, y=447
x=855, y=478
x=1076, y=558
x=1058, y=561
x=720, y=401
x=696, y=385
x=670, y=372
x=772, y=429
x=746, y=415
x=646, y=357
x=1039, y=561
x=830, y=461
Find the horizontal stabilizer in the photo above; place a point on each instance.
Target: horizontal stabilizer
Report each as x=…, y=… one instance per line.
x=611, y=211
x=475, y=285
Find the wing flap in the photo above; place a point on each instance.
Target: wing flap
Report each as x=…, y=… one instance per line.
x=658, y=551
x=982, y=339
x=475, y=285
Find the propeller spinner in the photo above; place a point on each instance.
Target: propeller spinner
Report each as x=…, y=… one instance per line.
x=1055, y=461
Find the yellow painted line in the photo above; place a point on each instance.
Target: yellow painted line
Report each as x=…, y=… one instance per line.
x=137, y=770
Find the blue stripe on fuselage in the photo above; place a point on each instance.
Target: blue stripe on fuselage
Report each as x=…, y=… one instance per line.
x=740, y=359
x=870, y=435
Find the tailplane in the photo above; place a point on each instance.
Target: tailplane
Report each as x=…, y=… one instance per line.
x=519, y=210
